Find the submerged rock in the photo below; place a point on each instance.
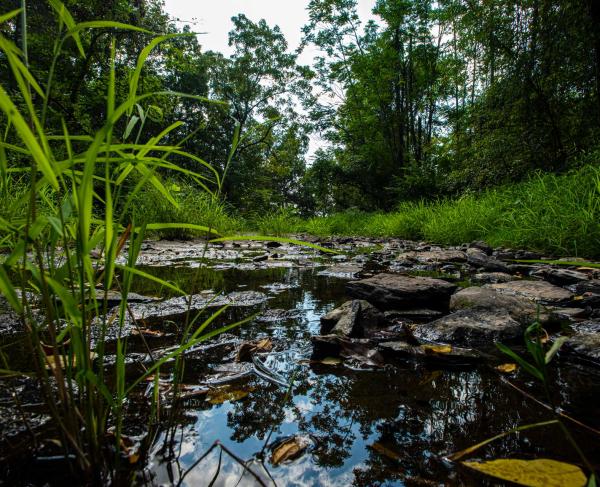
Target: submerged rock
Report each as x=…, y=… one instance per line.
x=436, y=353
x=342, y=271
x=473, y=328
x=397, y=291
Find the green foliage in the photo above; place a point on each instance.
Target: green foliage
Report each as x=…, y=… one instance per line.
x=193, y=206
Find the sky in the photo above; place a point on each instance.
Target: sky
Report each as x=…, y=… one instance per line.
x=214, y=18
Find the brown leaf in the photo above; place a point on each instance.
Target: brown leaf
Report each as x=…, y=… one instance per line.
x=436, y=349
x=289, y=449
x=248, y=349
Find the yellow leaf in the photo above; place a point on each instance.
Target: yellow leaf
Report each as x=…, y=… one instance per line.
x=507, y=368
x=289, y=449
x=437, y=348
x=382, y=450
x=578, y=298
x=541, y=472
x=224, y=394
x=330, y=361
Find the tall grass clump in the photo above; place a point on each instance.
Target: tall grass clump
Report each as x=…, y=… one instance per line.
x=64, y=232
x=194, y=206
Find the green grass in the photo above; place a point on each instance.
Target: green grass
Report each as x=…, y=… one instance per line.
x=558, y=215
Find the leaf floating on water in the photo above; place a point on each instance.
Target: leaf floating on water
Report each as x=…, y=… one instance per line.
x=386, y=452
x=443, y=349
x=329, y=361
x=289, y=449
x=248, y=349
x=225, y=394
x=507, y=368
x=541, y=472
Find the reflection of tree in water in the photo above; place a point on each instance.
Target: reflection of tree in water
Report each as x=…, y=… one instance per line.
x=417, y=417
x=256, y=414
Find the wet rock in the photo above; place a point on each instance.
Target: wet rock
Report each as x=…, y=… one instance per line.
x=260, y=258
x=474, y=328
x=590, y=286
x=352, y=319
x=488, y=299
x=570, y=315
x=561, y=277
x=433, y=256
x=274, y=315
x=480, y=259
x=359, y=350
x=492, y=277
x=481, y=245
x=412, y=315
x=10, y=322
x=396, y=291
x=539, y=291
x=342, y=271
x=279, y=287
x=584, y=345
x=434, y=353
x=114, y=298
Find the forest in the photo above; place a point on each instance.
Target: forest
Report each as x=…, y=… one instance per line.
x=358, y=271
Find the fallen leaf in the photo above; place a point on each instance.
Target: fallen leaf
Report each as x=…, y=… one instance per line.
x=51, y=363
x=329, y=361
x=225, y=394
x=248, y=349
x=507, y=368
x=541, y=472
x=148, y=332
x=578, y=298
x=289, y=449
x=383, y=450
x=437, y=348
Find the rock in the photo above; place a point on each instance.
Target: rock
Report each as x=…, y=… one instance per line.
x=435, y=353
x=342, y=271
x=585, y=344
x=260, y=258
x=492, y=277
x=562, y=277
x=352, y=319
x=275, y=315
x=273, y=245
x=473, y=328
x=396, y=291
x=412, y=314
x=539, y=291
x=570, y=315
x=488, y=299
x=481, y=245
x=480, y=259
x=433, y=256
x=590, y=286
x=358, y=350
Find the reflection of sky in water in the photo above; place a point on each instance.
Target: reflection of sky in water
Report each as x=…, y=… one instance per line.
x=412, y=414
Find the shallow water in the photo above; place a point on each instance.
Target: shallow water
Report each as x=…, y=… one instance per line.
x=390, y=426
x=366, y=427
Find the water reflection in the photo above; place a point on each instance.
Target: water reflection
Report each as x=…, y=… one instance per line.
x=388, y=427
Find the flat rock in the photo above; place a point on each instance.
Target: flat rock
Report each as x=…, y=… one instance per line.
x=397, y=291
x=489, y=299
x=412, y=314
x=471, y=328
x=492, y=277
x=538, y=291
x=562, y=277
x=433, y=256
x=585, y=344
x=436, y=353
x=343, y=271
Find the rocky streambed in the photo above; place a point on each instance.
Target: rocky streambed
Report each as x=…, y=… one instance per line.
x=367, y=366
